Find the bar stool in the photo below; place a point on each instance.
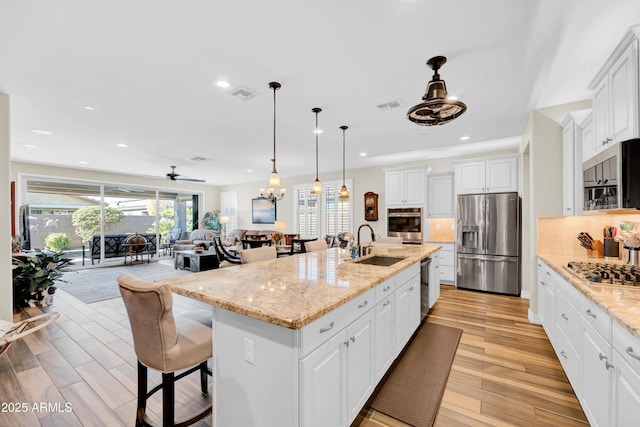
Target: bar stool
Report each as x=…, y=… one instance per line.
x=165, y=344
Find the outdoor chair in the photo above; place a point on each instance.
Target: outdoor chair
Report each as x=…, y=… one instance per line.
x=165, y=343
x=258, y=254
x=223, y=254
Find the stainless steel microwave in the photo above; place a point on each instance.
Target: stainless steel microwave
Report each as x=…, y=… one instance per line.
x=611, y=178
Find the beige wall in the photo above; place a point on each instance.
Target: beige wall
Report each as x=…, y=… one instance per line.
x=6, y=288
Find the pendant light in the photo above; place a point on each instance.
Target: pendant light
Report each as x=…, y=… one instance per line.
x=344, y=191
x=436, y=108
x=317, y=185
x=274, y=179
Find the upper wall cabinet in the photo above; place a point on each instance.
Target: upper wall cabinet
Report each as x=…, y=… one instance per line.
x=493, y=175
x=404, y=187
x=441, y=196
x=572, y=162
x=616, y=95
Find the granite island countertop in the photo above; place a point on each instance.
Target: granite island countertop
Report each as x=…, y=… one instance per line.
x=622, y=303
x=293, y=291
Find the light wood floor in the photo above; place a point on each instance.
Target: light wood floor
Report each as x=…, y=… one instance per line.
x=505, y=371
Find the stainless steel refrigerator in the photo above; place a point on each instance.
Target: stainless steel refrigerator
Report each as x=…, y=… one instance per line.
x=488, y=242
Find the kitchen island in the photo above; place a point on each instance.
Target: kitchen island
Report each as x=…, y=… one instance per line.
x=303, y=340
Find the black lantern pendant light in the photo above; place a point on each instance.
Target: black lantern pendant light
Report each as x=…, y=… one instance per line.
x=344, y=191
x=436, y=109
x=317, y=185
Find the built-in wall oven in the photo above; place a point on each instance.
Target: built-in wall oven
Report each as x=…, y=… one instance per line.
x=406, y=223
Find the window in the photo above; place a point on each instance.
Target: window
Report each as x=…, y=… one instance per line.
x=229, y=207
x=311, y=220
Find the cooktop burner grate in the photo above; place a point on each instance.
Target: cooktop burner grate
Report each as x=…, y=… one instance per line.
x=615, y=274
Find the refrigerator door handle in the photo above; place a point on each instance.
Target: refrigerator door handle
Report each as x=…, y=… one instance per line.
x=472, y=256
x=500, y=258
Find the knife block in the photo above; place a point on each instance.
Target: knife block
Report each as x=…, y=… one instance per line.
x=597, y=250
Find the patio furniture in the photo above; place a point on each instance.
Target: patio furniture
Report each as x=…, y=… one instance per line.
x=114, y=245
x=258, y=254
x=223, y=254
x=136, y=245
x=165, y=343
x=172, y=236
x=196, y=261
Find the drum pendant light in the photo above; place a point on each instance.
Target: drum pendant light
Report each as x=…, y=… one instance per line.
x=436, y=109
x=344, y=191
x=317, y=185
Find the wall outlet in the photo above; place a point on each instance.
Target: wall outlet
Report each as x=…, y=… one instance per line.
x=437, y=226
x=249, y=355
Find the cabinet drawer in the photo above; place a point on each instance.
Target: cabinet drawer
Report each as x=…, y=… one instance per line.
x=567, y=319
x=385, y=289
x=325, y=327
x=596, y=317
x=569, y=359
x=446, y=258
x=402, y=277
x=627, y=345
x=447, y=273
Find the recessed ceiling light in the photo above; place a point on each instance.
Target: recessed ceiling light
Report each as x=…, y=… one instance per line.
x=464, y=138
x=122, y=145
x=363, y=154
x=82, y=162
x=89, y=107
x=223, y=84
x=30, y=146
x=41, y=132
x=249, y=170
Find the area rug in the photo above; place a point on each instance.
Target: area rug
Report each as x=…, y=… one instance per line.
x=99, y=283
x=413, y=390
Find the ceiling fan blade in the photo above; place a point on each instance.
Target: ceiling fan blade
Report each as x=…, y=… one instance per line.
x=173, y=176
x=190, y=179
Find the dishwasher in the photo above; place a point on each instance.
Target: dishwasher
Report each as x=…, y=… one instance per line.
x=424, y=287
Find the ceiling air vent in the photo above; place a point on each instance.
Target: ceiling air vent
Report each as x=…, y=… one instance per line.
x=198, y=159
x=243, y=93
x=387, y=106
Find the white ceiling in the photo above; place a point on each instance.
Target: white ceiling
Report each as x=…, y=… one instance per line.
x=149, y=68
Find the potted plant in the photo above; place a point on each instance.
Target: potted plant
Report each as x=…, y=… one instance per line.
x=34, y=278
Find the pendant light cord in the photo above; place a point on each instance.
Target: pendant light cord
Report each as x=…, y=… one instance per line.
x=316, y=145
x=274, y=129
x=344, y=129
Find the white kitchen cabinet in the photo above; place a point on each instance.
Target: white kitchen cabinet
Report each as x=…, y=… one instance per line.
x=596, y=377
x=360, y=363
x=405, y=187
x=434, y=279
x=626, y=380
x=323, y=384
x=546, y=299
x=447, y=260
x=441, y=196
x=385, y=335
x=615, y=95
x=407, y=311
x=572, y=187
x=586, y=139
x=491, y=175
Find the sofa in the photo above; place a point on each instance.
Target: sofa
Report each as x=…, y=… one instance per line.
x=114, y=245
x=198, y=237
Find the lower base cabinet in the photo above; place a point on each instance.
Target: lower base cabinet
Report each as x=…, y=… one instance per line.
x=596, y=377
x=626, y=392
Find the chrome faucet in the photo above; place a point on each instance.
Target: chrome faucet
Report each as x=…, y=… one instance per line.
x=366, y=250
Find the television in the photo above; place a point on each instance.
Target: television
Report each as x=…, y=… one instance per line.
x=263, y=211
x=24, y=228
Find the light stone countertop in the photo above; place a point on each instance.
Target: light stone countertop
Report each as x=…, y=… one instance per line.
x=621, y=302
x=440, y=240
x=293, y=291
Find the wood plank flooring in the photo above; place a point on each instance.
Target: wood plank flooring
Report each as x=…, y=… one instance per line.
x=505, y=372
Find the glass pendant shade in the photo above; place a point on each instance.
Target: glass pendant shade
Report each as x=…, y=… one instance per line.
x=344, y=192
x=317, y=187
x=274, y=180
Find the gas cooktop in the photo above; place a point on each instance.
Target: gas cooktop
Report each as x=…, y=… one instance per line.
x=615, y=274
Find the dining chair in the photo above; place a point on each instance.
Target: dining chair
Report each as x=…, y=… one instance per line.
x=297, y=245
x=315, y=245
x=254, y=243
x=258, y=254
x=223, y=254
x=165, y=343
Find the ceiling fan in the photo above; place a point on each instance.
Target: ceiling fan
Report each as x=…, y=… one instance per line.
x=173, y=176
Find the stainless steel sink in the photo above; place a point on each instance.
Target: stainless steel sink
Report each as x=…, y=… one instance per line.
x=380, y=260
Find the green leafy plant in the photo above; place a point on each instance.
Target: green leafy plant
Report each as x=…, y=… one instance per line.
x=86, y=221
x=211, y=221
x=36, y=275
x=57, y=242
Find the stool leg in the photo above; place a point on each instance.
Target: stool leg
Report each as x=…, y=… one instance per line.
x=204, y=382
x=168, y=395
x=142, y=394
